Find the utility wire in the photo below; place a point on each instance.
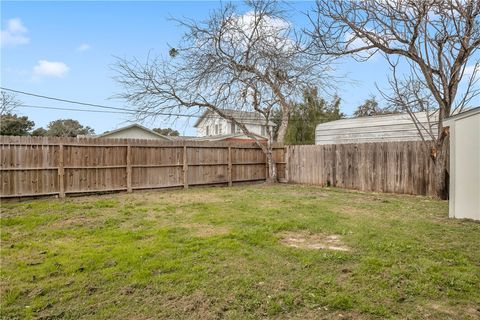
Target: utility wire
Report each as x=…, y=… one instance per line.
x=69, y=109
x=125, y=110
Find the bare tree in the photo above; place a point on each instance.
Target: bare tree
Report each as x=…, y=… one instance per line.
x=428, y=44
x=8, y=102
x=251, y=61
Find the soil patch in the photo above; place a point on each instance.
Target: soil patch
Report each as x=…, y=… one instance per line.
x=304, y=240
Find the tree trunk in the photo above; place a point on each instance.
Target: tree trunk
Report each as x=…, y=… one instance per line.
x=441, y=168
x=272, y=167
x=282, y=129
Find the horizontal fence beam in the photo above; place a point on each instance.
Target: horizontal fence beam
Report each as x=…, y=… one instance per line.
x=37, y=166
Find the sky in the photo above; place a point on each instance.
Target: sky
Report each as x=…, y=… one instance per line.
x=66, y=49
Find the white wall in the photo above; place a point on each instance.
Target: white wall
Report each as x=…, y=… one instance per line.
x=224, y=127
x=395, y=127
x=465, y=167
x=133, y=133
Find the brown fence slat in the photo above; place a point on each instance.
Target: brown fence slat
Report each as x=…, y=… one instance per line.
x=31, y=166
x=397, y=167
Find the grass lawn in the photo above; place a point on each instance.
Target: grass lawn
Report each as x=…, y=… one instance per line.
x=285, y=251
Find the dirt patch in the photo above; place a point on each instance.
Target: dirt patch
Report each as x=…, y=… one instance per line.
x=304, y=240
x=205, y=230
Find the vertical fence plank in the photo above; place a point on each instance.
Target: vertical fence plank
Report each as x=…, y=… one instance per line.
x=61, y=172
x=129, y=168
x=185, y=167
x=230, y=166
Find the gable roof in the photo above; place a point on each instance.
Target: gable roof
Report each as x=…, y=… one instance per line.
x=134, y=125
x=237, y=114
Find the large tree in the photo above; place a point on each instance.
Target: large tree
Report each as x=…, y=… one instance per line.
x=14, y=125
x=431, y=46
x=247, y=60
x=66, y=128
x=306, y=115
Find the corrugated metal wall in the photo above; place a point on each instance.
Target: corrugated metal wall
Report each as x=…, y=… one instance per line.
x=385, y=128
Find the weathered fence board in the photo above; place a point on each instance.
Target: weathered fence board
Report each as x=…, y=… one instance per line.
x=396, y=167
x=34, y=166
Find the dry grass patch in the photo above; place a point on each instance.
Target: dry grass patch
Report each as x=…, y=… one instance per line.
x=205, y=230
x=304, y=240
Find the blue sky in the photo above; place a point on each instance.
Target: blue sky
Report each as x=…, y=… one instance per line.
x=66, y=49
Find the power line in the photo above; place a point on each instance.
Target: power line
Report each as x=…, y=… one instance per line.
x=70, y=109
x=125, y=110
x=64, y=100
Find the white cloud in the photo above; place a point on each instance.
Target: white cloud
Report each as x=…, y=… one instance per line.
x=84, y=47
x=469, y=70
x=272, y=30
x=14, y=34
x=46, y=68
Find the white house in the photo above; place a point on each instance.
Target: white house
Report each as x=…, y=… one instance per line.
x=211, y=126
x=134, y=131
x=465, y=164
x=382, y=128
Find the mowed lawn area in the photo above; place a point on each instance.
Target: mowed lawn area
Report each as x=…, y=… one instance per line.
x=282, y=251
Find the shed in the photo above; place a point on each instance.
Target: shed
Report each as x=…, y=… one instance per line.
x=133, y=131
x=382, y=128
x=465, y=164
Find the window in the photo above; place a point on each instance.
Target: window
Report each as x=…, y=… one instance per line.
x=216, y=129
x=237, y=129
x=263, y=134
x=232, y=127
x=220, y=129
x=206, y=131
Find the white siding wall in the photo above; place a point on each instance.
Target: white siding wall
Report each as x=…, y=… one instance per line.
x=224, y=127
x=465, y=167
x=370, y=129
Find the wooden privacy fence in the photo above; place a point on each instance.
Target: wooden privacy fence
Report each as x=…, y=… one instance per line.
x=397, y=167
x=35, y=166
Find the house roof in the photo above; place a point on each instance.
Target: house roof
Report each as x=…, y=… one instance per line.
x=237, y=114
x=461, y=115
x=134, y=125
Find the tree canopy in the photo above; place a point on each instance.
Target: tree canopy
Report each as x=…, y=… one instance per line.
x=167, y=131
x=66, y=128
x=14, y=125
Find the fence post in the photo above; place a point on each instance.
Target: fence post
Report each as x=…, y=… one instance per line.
x=185, y=168
x=287, y=164
x=61, y=172
x=230, y=166
x=129, y=168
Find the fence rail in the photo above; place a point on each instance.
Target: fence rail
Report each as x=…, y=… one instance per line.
x=35, y=166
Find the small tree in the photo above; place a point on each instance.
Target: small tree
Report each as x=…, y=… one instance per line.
x=67, y=128
x=8, y=102
x=39, y=132
x=248, y=61
x=13, y=125
x=370, y=108
x=433, y=41
x=167, y=132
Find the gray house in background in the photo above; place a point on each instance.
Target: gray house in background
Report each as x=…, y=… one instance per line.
x=133, y=131
x=383, y=128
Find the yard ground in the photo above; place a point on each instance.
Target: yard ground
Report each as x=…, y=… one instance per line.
x=285, y=251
